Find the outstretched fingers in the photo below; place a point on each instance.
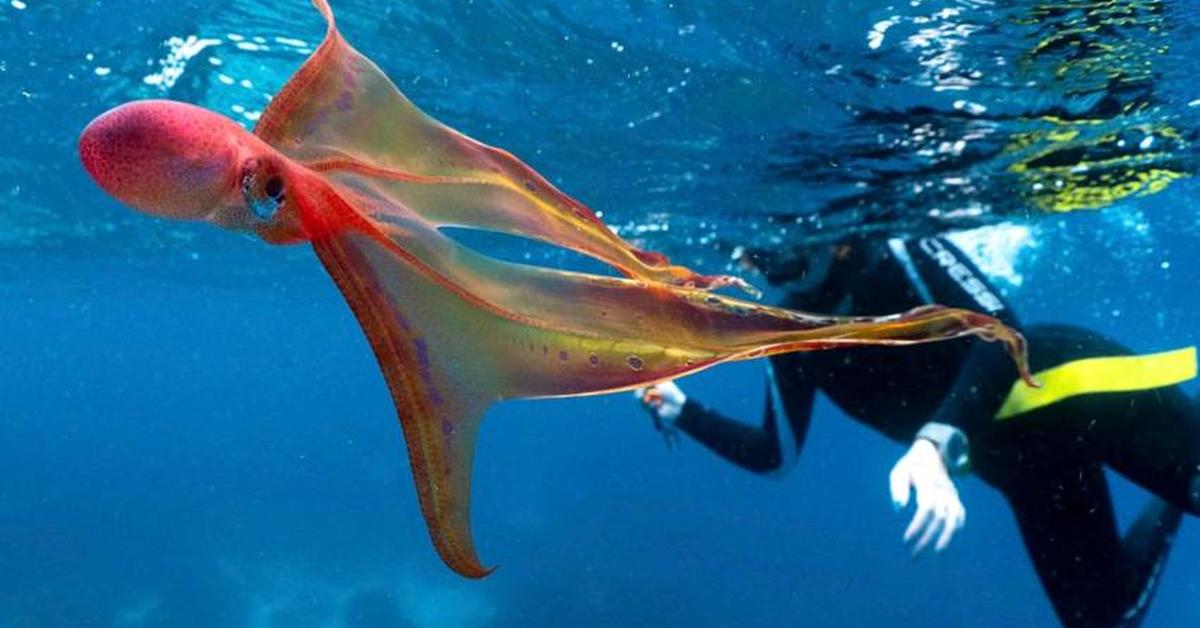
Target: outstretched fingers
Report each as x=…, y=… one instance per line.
x=939, y=513
x=957, y=518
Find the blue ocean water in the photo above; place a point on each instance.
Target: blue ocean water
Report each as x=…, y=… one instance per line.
x=194, y=432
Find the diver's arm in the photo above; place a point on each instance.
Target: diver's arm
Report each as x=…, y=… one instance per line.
x=767, y=448
x=984, y=380
x=941, y=449
x=944, y=274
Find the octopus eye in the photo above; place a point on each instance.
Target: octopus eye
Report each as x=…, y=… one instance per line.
x=274, y=188
x=264, y=201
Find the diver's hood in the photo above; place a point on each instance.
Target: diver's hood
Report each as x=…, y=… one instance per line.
x=795, y=270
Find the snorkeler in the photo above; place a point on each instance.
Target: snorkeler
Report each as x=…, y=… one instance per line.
x=960, y=410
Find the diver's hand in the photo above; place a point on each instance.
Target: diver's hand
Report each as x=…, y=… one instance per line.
x=665, y=403
x=939, y=509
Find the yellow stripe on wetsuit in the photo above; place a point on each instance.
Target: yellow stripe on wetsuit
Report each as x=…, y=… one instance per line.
x=1100, y=375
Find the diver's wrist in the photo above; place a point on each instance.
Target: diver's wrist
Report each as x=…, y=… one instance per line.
x=951, y=443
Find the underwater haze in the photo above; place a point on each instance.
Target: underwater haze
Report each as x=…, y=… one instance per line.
x=194, y=432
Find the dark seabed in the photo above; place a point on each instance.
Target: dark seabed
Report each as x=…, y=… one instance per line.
x=193, y=431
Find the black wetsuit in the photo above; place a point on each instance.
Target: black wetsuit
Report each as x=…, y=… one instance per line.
x=1047, y=462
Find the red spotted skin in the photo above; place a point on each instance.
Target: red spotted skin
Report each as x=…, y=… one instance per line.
x=176, y=160
x=162, y=157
